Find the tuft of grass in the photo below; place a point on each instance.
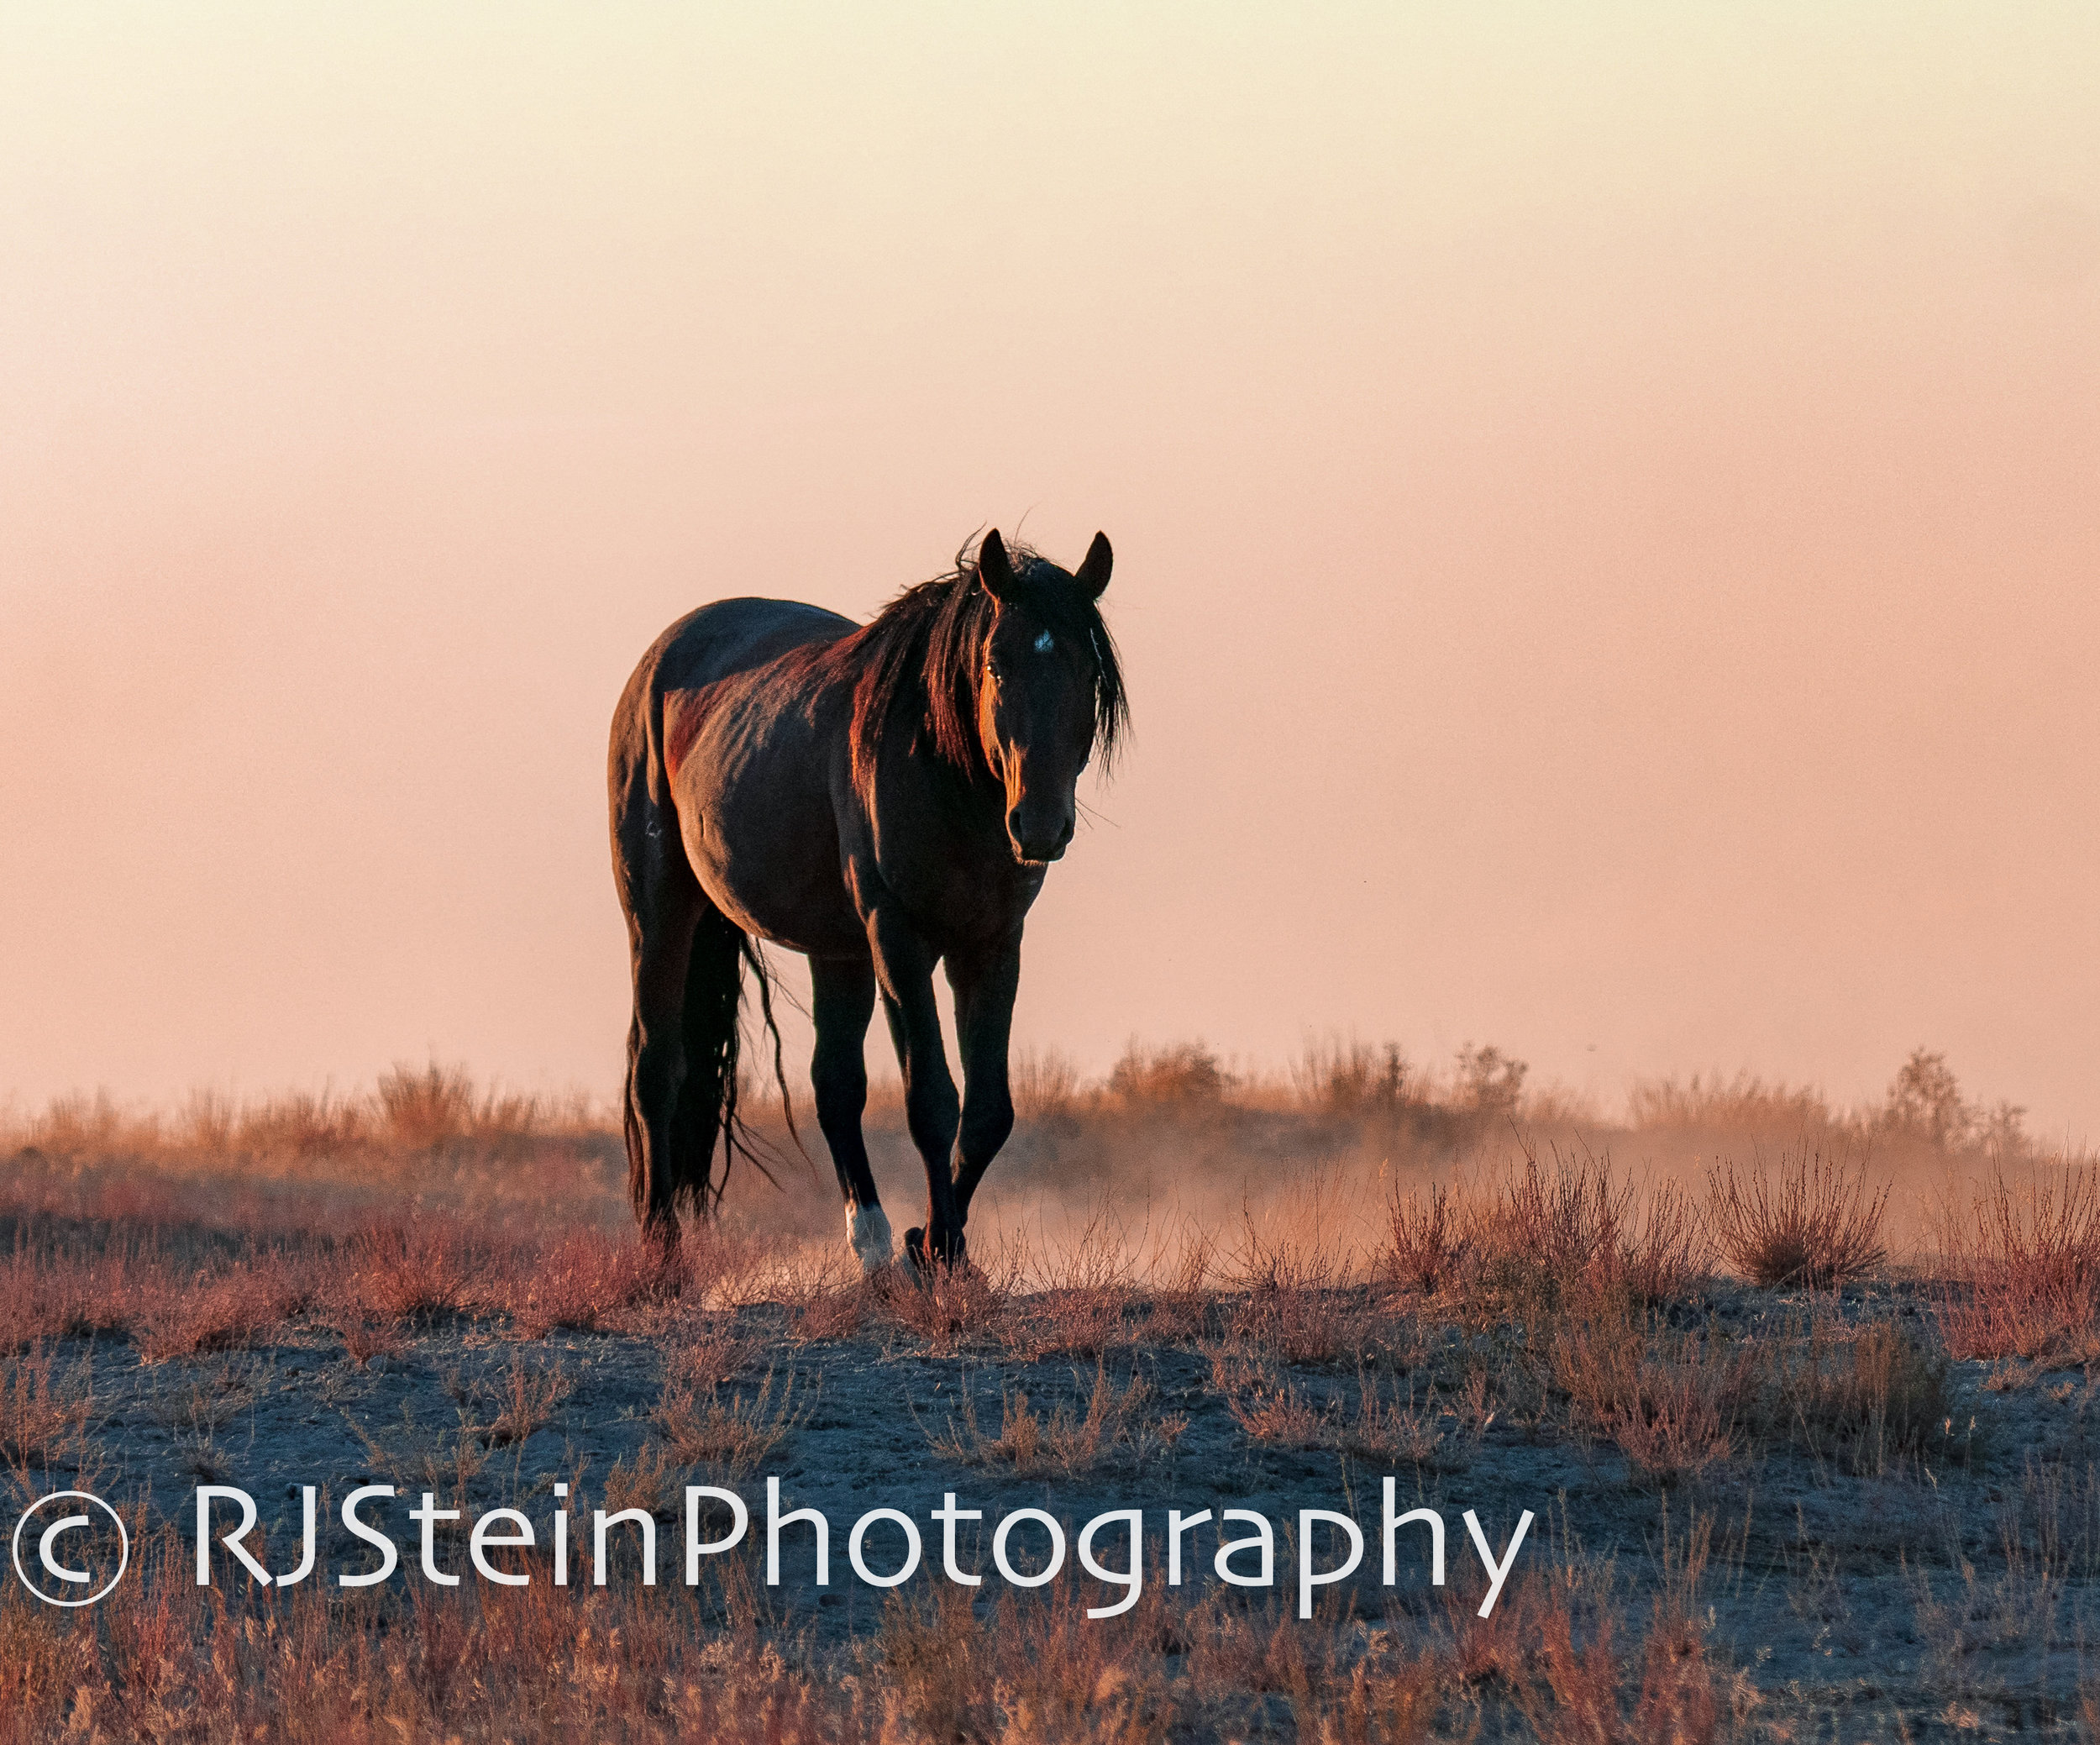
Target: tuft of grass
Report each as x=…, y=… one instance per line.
x=1278, y=1413
x=525, y=1401
x=957, y=1305
x=44, y=1410
x=732, y=1436
x=1873, y=1404
x=1811, y=1222
x=1665, y=1397
x=1111, y=1429
x=418, y=1271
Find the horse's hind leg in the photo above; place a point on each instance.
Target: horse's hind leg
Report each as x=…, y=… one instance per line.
x=707, y=1090
x=663, y=903
x=842, y=1001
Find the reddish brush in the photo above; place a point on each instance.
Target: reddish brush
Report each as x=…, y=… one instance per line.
x=419, y=1270
x=225, y=1312
x=44, y=1407
x=2023, y=1268
x=590, y=1281
x=955, y=1306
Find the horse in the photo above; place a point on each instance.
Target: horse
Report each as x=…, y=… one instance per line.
x=883, y=798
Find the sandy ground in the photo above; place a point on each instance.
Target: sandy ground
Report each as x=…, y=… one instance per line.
x=1887, y=1607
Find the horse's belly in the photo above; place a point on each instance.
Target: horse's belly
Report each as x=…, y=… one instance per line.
x=767, y=855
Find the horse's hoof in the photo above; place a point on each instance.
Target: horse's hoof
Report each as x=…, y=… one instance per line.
x=867, y=1234
x=915, y=1256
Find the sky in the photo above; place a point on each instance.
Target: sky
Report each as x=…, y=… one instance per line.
x=1604, y=504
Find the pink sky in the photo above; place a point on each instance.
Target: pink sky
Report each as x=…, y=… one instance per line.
x=1608, y=542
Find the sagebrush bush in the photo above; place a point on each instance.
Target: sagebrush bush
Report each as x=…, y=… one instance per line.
x=1810, y=1222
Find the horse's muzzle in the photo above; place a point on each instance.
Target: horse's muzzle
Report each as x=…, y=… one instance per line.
x=1039, y=850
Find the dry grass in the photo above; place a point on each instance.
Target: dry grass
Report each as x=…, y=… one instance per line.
x=1871, y=1401
x=1427, y=1245
x=1541, y=1241
x=957, y=1308
x=227, y=1313
x=44, y=1405
x=707, y=1352
x=1810, y=1223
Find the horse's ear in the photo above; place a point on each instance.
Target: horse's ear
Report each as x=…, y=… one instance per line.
x=1092, y=575
x=996, y=570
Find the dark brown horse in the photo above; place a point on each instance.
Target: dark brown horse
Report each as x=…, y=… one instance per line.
x=884, y=798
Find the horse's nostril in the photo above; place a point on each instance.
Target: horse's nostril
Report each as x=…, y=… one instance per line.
x=1013, y=823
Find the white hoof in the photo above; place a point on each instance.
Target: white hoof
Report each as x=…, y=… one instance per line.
x=867, y=1234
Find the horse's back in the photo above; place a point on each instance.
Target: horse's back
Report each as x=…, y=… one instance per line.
x=732, y=636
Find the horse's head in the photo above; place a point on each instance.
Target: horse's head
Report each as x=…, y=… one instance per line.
x=1040, y=693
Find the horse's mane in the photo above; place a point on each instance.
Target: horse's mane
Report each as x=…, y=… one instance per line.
x=914, y=667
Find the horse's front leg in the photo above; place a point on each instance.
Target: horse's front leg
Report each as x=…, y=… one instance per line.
x=985, y=983
x=842, y=1001
x=904, y=972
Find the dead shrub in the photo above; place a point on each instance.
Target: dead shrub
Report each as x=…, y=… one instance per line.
x=363, y=1340
x=1811, y=1222
x=649, y=1481
x=955, y=1306
x=1427, y=1244
x=709, y=1355
x=1300, y=1305
x=1045, y=1086
x=1550, y=1240
x=1873, y=1403
x=1397, y=1431
x=424, y=1107
x=936, y=1653
x=418, y=1271
x=525, y=1401
x=1393, y=1699
x=1083, y=1306
x=47, y=1293
x=1175, y=1078
x=1031, y=1670
x=826, y=1298
x=1278, y=1413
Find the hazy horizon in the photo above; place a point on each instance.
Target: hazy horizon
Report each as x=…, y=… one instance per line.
x=1605, y=511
